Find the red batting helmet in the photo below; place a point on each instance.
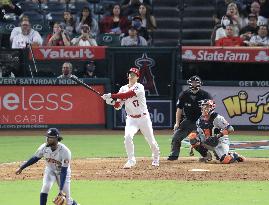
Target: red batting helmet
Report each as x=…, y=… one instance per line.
x=134, y=70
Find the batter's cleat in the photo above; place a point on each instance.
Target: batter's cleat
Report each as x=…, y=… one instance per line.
x=172, y=158
x=129, y=164
x=155, y=163
x=207, y=158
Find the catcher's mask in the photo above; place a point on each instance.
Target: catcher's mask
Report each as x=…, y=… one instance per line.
x=54, y=133
x=207, y=107
x=195, y=83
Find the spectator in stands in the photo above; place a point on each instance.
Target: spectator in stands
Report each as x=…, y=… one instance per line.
x=85, y=39
x=86, y=18
x=220, y=32
x=90, y=70
x=142, y=31
x=59, y=37
x=233, y=13
x=264, y=8
x=251, y=29
x=115, y=23
x=133, y=39
x=220, y=10
x=131, y=7
x=262, y=39
x=27, y=36
x=17, y=30
x=255, y=9
x=9, y=7
x=230, y=39
x=148, y=21
x=68, y=23
x=67, y=70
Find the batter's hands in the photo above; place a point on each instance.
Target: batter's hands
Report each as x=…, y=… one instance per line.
x=110, y=101
x=18, y=171
x=106, y=96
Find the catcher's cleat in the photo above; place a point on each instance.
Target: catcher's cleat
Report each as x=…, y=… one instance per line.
x=129, y=164
x=172, y=158
x=240, y=158
x=155, y=163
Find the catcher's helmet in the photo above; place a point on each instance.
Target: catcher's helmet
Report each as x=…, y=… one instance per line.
x=134, y=70
x=54, y=133
x=194, y=82
x=208, y=106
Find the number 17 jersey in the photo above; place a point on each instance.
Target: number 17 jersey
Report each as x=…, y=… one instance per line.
x=135, y=105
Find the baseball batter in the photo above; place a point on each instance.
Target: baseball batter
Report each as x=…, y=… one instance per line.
x=133, y=97
x=58, y=158
x=212, y=133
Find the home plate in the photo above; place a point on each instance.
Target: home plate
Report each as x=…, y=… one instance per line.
x=198, y=170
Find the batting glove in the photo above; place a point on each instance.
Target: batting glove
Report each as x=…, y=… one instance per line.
x=106, y=96
x=110, y=101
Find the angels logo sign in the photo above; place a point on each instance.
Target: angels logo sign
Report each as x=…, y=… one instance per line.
x=145, y=64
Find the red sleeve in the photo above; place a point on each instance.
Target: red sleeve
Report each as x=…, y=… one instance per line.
x=122, y=96
x=117, y=104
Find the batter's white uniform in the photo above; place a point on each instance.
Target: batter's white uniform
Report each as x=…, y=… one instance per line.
x=138, y=118
x=55, y=160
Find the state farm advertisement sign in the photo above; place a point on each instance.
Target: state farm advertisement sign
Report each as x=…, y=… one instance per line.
x=225, y=54
x=45, y=105
x=68, y=53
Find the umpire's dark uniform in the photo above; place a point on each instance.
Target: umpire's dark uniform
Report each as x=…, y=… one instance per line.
x=188, y=102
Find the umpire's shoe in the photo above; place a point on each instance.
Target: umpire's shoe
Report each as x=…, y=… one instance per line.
x=172, y=158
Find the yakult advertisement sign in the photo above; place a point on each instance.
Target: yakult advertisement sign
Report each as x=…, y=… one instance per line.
x=68, y=53
x=43, y=105
x=239, y=55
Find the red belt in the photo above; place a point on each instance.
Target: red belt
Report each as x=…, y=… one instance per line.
x=137, y=116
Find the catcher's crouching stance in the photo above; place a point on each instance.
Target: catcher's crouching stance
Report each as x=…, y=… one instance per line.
x=212, y=134
x=58, y=158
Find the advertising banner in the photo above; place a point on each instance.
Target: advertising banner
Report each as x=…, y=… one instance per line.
x=226, y=54
x=68, y=53
x=246, y=107
x=35, y=106
x=160, y=113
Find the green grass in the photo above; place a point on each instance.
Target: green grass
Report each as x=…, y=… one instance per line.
x=131, y=192
x=143, y=193
x=23, y=147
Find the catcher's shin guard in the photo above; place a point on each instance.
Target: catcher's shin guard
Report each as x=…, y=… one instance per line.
x=202, y=150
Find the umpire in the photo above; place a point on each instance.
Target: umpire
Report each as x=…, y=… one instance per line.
x=187, y=104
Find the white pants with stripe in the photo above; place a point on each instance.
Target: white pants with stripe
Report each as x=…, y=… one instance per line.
x=143, y=124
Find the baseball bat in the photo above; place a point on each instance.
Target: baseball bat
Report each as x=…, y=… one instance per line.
x=80, y=82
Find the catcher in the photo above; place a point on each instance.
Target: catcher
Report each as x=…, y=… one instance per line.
x=212, y=134
x=58, y=158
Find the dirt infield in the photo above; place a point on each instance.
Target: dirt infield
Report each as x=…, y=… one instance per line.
x=111, y=169
x=72, y=131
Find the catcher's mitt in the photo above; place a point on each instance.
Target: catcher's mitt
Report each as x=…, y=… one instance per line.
x=60, y=199
x=212, y=141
